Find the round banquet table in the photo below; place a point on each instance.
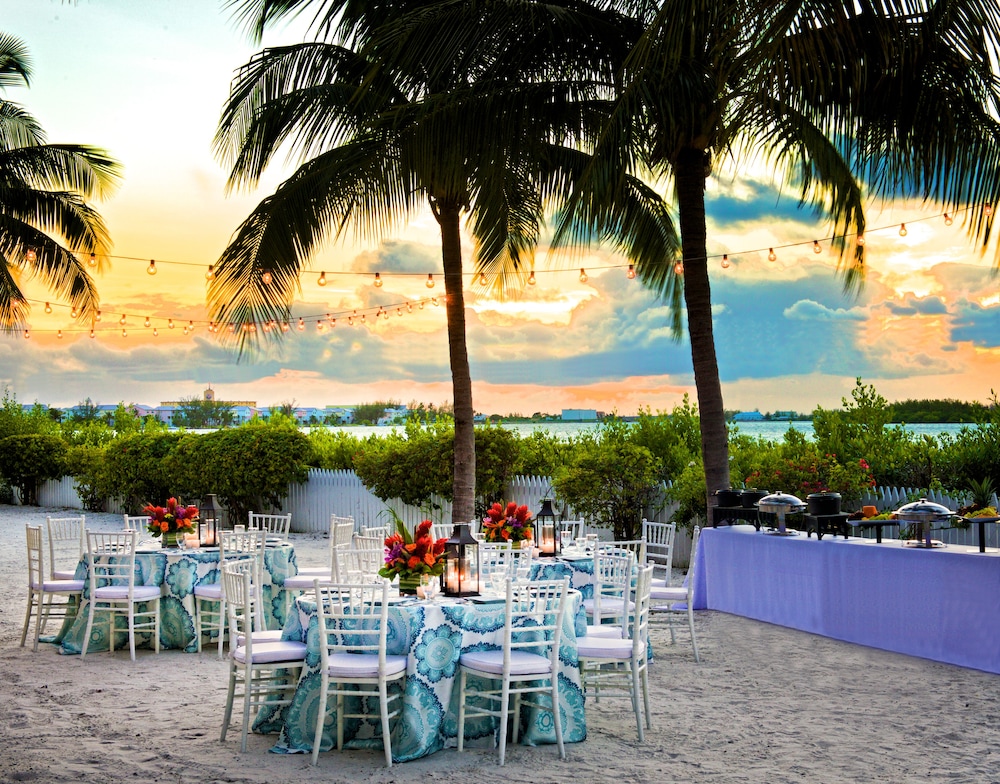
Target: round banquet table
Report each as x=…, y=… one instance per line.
x=177, y=572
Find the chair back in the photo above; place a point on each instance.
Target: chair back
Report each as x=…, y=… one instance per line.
x=237, y=586
x=67, y=543
x=689, y=580
x=248, y=546
x=111, y=559
x=533, y=619
x=639, y=627
x=353, y=618
x=36, y=559
x=136, y=522
x=442, y=530
x=576, y=527
x=376, y=530
x=612, y=580
x=274, y=524
x=637, y=547
x=364, y=558
x=495, y=557
x=341, y=530
x=660, y=546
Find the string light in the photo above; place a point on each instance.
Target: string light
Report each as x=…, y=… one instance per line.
x=301, y=325
x=816, y=247
x=73, y=313
x=861, y=239
x=93, y=259
x=679, y=268
x=266, y=278
x=31, y=255
x=48, y=308
x=948, y=219
x=151, y=269
x=725, y=261
x=902, y=230
x=122, y=320
x=430, y=280
x=531, y=278
x=988, y=210
x=59, y=334
x=98, y=316
x=26, y=334
x=771, y=255
x=156, y=332
x=378, y=281
x=170, y=323
x=124, y=333
x=322, y=278
x=482, y=279
x=583, y=275
x=210, y=274
x=146, y=322
x=91, y=334
x=631, y=272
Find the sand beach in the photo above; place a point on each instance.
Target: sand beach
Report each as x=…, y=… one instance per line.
x=765, y=705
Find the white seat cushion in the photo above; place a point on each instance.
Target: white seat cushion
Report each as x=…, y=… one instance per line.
x=301, y=582
x=141, y=593
x=268, y=636
x=272, y=652
x=323, y=572
x=671, y=594
x=59, y=586
x=609, y=604
x=658, y=582
x=589, y=647
x=604, y=630
x=363, y=665
x=213, y=591
x=521, y=662
x=61, y=575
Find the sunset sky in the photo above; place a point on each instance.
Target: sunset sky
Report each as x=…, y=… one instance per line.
x=147, y=80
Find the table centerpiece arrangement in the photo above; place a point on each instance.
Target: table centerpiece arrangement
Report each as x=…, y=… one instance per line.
x=171, y=521
x=412, y=556
x=510, y=523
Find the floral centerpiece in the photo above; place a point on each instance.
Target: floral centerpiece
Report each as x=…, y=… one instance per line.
x=511, y=523
x=410, y=556
x=171, y=521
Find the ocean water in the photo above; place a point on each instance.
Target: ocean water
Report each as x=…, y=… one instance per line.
x=772, y=431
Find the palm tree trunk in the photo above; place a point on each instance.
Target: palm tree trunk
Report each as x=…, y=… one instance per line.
x=690, y=172
x=464, y=477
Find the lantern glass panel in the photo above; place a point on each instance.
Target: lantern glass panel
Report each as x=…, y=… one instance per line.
x=208, y=521
x=546, y=531
x=461, y=563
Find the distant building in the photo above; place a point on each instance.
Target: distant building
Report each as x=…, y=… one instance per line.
x=579, y=415
x=748, y=416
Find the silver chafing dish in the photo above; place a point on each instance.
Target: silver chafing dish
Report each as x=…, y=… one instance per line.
x=780, y=504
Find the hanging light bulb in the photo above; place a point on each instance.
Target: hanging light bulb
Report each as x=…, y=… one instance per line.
x=725, y=261
x=816, y=247
x=266, y=278
x=301, y=325
x=861, y=239
x=409, y=307
x=155, y=332
x=31, y=255
x=583, y=275
x=91, y=334
x=430, y=281
x=122, y=320
x=421, y=304
x=211, y=326
x=679, y=268
x=399, y=312
x=26, y=334
x=285, y=326
x=48, y=308
x=333, y=323
x=98, y=316
x=322, y=279
x=146, y=322
x=210, y=274
x=363, y=318
x=185, y=330
x=631, y=272
x=902, y=230
x=531, y=278
x=948, y=220
x=319, y=326
x=170, y=323
x=190, y=326
x=73, y=313
x=93, y=259
x=988, y=210
x=59, y=334
x=771, y=255
x=378, y=281
x=350, y=320
x=124, y=333
x=151, y=269
x=482, y=279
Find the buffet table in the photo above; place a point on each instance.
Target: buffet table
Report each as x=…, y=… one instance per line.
x=941, y=604
x=434, y=634
x=177, y=572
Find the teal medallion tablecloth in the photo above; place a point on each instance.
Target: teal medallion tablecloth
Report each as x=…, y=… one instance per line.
x=177, y=572
x=434, y=634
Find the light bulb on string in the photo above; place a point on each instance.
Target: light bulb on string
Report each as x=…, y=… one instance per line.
x=378, y=281
x=631, y=272
x=399, y=312
x=211, y=326
x=170, y=323
x=91, y=334
x=771, y=255
x=725, y=261
x=92, y=261
x=319, y=326
x=430, y=281
x=98, y=316
x=285, y=326
x=434, y=301
x=531, y=278
x=190, y=326
x=151, y=269
x=185, y=330
x=482, y=279
x=861, y=239
x=409, y=308
x=155, y=332
x=988, y=210
x=266, y=278
x=583, y=275
x=74, y=312
x=59, y=334
x=48, y=308
x=231, y=328
x=816, y=247
x=902, y=230
x=948, y=220
x=210, y=274
x=322, y=278
x=421, y=304
x=679, y=268
x=363, y=318
x=146, y=322
x=124, y=333
x=301, y=325
x=350, y=319
x=26, y=334
x=31, y=256
x=122, y=320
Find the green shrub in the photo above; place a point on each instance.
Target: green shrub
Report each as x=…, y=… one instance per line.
x=26, y=460
x=136, y=469
x=85, y=463
x=334, y=449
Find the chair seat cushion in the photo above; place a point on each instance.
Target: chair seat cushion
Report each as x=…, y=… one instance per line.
x=58, y=586
x=209, y=591
x=363, y=665
x=609, y=604
x=272, y=652
x=670, y=594
x=590, y=647
x=521, y=662
x=323, y=572
x=140, y=593
x=273, y=635
x=658, y=582
x=303, y=582
x=61, y=575
x=604, y=630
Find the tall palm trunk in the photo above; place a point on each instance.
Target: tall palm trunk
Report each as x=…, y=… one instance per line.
x=690, y=172
x=464, y=477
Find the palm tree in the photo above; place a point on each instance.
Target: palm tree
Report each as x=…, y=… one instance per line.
x=44, y=190
x=897, y=97
x=383, y=125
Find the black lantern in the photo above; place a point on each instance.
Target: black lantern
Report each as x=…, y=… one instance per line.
x=461, y=563
x=546, y=536
x=209, y=521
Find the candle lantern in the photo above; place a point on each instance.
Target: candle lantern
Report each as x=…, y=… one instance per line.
x=209, y=519
x=461, y=563
x=546, y=533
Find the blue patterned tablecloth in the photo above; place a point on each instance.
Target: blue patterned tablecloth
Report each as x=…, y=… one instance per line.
x=434, y=634
x=177, y=572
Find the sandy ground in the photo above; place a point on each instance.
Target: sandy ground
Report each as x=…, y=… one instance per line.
x=766, y=704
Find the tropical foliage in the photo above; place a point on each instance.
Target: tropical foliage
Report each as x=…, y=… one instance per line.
x=507, y=523
x=411, y=555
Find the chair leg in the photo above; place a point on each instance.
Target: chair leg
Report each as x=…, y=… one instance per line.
x=461, y=710
x=634, y=689
x=131, y=631
x=694, y=640
x=504, y=713
x=227, y=716
x=320, y=721
x=645, y=697
x=90, y=627
x=383, y=695
x=248, y=686
x=556, y=718
x=222, y=626
x=27, y=616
